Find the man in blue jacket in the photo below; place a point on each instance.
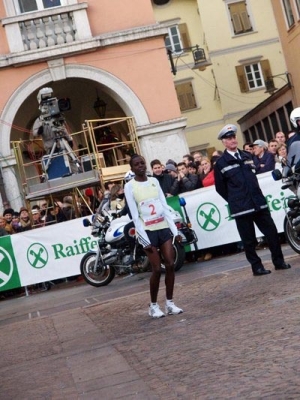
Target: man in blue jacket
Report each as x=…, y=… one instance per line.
x=236, y=182
x=264, y=160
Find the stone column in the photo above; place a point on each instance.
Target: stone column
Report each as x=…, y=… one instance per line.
x=11, y=187
x=163, y=140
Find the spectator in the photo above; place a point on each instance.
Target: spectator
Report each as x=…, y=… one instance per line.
x=117, y=199
x=218, y=153
x=54, y=214
x=84, y=205
x=197, y=157
x=3, y=231
x=197, y=160
x=280, y=137
x=68, y=208
x=187, y=159
x=43, y=208
x=25, y=223
x=37, y=221
x=192, y=167
x=185, y=181
x=171, y=170
x=272, y=146
x=171, y=162
x=263, y=160
x=248, y=146
x=281, y=156
x=105, y=203
x=15, y=221
x=8, y=214
x=94, y=201
x=207, y=177
x=166, y=181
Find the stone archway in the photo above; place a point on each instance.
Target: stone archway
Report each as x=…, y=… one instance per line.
x=117, y=89
x=114, y=87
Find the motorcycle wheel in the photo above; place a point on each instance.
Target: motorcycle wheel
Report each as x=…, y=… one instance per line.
x=291, y=236
x=179, y=257
x=101, y=277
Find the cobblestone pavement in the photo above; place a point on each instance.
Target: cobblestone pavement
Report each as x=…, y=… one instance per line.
x=238, y=338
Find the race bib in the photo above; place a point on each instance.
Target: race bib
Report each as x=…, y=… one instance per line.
x=151, y=211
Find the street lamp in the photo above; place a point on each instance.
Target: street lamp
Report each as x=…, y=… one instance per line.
x=200, y=61
x=269, y=82
x=100, y=107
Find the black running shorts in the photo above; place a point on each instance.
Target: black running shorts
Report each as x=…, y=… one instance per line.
x=157, y=238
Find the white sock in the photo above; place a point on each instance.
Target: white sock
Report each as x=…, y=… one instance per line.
x=153, y=304
x=169, y=302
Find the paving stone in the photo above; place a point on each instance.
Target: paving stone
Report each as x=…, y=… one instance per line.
x=238, y=338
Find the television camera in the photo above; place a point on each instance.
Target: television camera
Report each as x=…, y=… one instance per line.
x=51, y=126
x=50, y=106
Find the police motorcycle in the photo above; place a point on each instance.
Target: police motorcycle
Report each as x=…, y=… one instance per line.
x=99, y=267
x=290, y=176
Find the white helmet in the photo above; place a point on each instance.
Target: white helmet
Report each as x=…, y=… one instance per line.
x=295, y=116
x=129, y=175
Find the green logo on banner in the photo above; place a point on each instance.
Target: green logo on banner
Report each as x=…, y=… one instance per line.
x=208, y=216
x=9, y=277
x=37, y=255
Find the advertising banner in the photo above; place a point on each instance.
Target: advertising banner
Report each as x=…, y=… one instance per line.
x=55, y=252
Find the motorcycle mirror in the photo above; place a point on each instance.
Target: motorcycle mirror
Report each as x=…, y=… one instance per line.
x=86, y=222
x=276, y=174
x=182, y=201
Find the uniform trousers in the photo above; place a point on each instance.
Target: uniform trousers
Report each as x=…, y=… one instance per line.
x=265, y=223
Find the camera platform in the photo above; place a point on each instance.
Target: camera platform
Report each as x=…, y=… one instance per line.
x=81, y=181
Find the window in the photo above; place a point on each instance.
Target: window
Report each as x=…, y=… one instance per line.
x=239, y=17
x=254, y=76
x=23, y=6
x=288, y=12
x=178, y=38
x=185, y=95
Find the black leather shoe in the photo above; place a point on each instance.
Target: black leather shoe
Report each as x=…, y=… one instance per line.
x=283, y=266
x=261, y=271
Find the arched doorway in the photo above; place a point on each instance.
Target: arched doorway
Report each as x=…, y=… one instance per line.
x=81, y=84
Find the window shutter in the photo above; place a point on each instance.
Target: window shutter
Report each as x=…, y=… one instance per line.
x=184, y=34
x=246, y=21
x=236, y=22
x=239, y=17
x=240, y=71
x=267, y=73
x=185, y=95
x=266, y=69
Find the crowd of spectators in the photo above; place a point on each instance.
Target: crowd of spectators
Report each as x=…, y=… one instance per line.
x=48, y=212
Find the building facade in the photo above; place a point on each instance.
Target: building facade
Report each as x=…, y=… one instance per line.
x=243, y=53
x=86, y=51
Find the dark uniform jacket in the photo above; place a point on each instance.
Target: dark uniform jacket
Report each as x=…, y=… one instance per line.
x=236, y=182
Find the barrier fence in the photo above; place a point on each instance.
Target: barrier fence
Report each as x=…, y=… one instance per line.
x=54, y=252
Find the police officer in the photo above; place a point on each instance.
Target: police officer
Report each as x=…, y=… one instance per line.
x=237, y=183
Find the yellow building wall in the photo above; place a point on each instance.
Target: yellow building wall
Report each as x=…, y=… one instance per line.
x=217, y=91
